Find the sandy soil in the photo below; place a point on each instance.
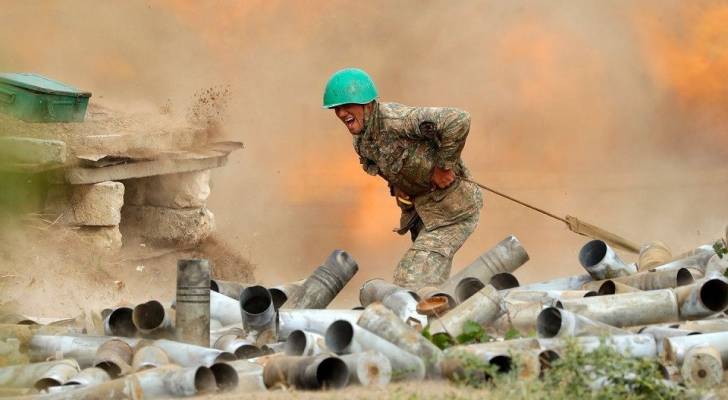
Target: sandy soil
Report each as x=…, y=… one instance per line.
x=434, y=390
x=48, y=271
x=418, y=390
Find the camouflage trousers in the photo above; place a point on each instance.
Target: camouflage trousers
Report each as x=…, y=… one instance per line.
x=429, y=260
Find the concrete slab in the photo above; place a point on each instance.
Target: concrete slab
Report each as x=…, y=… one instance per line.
x=186, y=162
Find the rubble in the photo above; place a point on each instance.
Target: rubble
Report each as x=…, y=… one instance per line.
x=77, y=174
x=163, y=226
x=96, y=204
x=180, y=190
x=252, y=344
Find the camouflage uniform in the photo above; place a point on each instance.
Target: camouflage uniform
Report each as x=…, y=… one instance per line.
x=402, y=145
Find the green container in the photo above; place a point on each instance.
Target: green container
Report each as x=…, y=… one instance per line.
x=35, y=98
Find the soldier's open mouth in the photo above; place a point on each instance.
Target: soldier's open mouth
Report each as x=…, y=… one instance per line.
x=349, y=122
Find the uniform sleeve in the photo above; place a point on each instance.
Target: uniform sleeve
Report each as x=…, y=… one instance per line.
x=447, y=127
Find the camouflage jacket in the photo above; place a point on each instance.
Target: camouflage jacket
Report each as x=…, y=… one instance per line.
x=403, y=145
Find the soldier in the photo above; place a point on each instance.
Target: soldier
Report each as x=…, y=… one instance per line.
x=417, y=151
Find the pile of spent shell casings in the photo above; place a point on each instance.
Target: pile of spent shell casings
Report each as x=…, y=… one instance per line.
x=235, y=337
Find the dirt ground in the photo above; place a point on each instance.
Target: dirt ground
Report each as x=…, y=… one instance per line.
x=432, y=390
x=48, y=271
x=396, y=391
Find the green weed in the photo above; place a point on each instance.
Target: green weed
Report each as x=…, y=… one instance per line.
x=601, y=374
x=472, y=333
x=720, y=248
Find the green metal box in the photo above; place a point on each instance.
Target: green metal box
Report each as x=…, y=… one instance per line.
x=35, y=98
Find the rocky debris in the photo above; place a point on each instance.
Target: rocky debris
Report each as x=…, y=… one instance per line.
x=97, y=204
x=79, y=172
x=183, y=190
x=164, y=226
x=95, y=209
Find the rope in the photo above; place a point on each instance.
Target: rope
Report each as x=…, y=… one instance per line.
x=542, y=211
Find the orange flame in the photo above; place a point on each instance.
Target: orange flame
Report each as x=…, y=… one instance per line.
x=692, y=58
x=352, y=199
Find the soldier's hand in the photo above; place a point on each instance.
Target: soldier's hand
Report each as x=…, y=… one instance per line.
x=442, y=178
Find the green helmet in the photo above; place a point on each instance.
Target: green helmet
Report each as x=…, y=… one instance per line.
x=347, y=86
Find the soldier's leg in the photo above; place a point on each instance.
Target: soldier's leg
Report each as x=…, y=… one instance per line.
x=428, y=261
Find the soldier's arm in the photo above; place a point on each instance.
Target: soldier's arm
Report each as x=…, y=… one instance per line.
x=447, y=127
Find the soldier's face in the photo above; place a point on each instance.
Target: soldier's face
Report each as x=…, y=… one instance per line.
x=352, y=115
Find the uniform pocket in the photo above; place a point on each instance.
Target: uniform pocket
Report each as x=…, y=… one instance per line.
x=444, y=207
x=419, y=161
x=413, y=169
x=392, y=160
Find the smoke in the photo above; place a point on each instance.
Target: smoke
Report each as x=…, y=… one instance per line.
x=609, y=111
x=686, y=53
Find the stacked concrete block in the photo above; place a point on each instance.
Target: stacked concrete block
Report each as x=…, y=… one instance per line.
x=95, y=208
x=168, y=226
x=96, y=205
x=185, y=190
x=169, y=210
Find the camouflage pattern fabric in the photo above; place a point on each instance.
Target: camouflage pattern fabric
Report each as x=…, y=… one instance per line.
x=429, y=260
x=403, y=144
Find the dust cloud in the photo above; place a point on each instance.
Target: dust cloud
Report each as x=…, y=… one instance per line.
x=613, y=112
